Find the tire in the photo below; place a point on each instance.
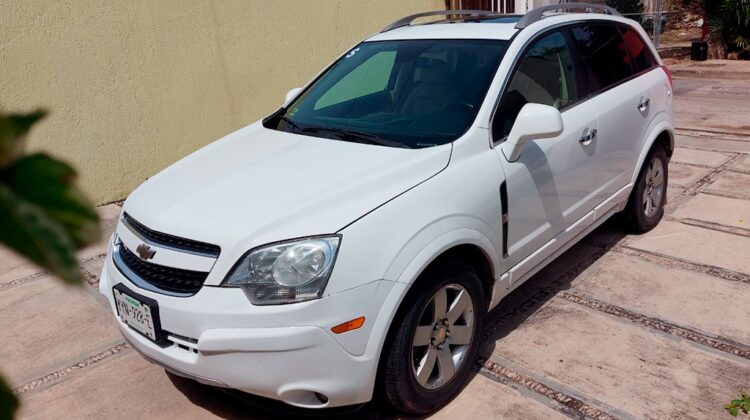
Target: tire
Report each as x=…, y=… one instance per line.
x=425, y=350
x=645, y=206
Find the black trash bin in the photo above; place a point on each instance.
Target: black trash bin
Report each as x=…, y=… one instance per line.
x=699, y=51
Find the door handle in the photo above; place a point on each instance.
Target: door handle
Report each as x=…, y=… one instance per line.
x=643, y=104
x=587, y=138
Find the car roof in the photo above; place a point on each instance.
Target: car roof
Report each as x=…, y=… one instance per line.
x=493, y=28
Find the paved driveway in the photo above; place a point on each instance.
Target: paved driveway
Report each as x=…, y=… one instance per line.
x=651, y=326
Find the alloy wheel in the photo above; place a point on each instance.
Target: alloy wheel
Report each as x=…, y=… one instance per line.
x=443, y=336
x=654, y=191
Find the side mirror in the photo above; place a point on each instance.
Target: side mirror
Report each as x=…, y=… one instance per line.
x=534, y=122
x=292, y=94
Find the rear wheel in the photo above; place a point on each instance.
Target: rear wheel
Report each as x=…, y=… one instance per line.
x=431, y=355
x=646, y=203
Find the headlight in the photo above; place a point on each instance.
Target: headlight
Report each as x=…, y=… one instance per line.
x=286, y=272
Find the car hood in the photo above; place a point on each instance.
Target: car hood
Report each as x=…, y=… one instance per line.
x=258, y=185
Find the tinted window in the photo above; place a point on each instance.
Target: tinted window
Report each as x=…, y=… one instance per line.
x=604, y=54
x=370, y=77
x=544, y=76
x=412, y=93
x=640, y=53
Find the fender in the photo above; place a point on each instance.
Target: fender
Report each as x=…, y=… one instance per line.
x=409, y=274
x=659, y=124
x=444, y=242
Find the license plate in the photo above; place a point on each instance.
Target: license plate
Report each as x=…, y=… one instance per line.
x=138, y=312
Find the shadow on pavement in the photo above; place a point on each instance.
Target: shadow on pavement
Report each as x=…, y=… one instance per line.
x=514, y=309
x=528, y=298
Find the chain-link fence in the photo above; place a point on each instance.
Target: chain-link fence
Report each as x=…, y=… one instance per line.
x=653, y=15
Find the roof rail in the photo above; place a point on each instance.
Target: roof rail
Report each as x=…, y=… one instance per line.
x=406, y=21
x=537, y=14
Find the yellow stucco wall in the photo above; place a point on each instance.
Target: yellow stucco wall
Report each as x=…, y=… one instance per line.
x=133, y=86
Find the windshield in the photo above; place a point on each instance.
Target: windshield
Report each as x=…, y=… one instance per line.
x=409, y=93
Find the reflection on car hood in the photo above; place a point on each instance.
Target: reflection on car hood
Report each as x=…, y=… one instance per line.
x=259, y=185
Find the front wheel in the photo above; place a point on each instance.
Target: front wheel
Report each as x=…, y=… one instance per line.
x=646, y=203
x=436, y=343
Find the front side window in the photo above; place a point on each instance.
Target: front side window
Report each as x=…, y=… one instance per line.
x=408, y=93
x=604, y=53
x=544, y=75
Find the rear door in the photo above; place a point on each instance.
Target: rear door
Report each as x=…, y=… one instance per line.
x=550, y=186
x=621, y=73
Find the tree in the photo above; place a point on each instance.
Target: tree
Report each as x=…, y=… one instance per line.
x=729, y=25
x=44, y=217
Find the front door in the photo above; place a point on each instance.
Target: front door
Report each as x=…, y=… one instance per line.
x=552, y=184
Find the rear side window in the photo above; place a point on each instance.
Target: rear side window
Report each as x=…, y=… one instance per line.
x=545, y=75
x=604, y=54
x=640, y=53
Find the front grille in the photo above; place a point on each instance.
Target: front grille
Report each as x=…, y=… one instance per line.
x=159, y=238
x=165, y=278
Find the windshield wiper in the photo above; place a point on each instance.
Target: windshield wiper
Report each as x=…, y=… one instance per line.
x=353, y=135
x=290, y=123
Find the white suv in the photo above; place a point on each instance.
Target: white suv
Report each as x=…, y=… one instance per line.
x=353, y=241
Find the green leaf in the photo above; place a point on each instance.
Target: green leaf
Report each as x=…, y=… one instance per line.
x=13, y=129
x=49, y=184
x=733, y=411
x=8, y=401
x=28, y=230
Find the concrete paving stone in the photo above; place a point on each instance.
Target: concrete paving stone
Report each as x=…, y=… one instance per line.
x=684, y=175
x=710, y=208
x=109, y=216
x=623, y=365
x=698, y=157
x=45, y=324
x=712, y=105
x=484, y=398
x=689, y=299
x=609, y=233
x=713, y=143
x=127, y=387
x=696, y=244
x=94, y=266
x=672, y=192
x=733, y=183
x=743, y=164
x=14, y=267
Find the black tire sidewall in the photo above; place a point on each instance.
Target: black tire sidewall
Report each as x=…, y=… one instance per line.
x=400, y=386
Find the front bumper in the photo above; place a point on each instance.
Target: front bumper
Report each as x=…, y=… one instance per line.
x=284, y=352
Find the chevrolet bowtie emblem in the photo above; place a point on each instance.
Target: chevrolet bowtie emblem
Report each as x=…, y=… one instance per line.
x=145, y=252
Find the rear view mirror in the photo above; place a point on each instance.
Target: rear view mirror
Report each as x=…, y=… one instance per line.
x=292, y=94
x=534, y=122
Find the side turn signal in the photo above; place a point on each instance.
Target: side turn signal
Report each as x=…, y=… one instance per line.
x=349, y=325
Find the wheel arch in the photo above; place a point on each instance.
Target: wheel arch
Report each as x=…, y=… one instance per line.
x=665, y=139
x=463, y=244
x=660, y=133
x=472, y=251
